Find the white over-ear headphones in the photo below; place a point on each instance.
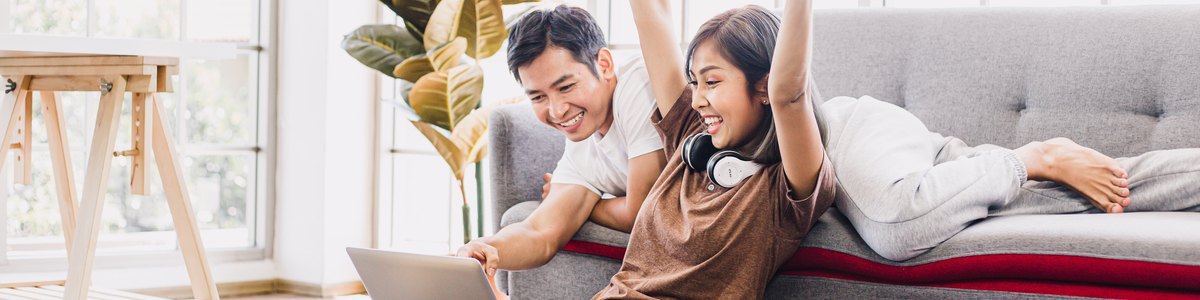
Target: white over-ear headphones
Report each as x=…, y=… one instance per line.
x=726, y=168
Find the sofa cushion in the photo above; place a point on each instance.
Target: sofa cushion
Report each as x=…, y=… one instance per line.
x=1148, y=254
x=1146, y=249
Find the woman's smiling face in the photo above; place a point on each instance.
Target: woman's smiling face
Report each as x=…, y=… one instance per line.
x=722, y=97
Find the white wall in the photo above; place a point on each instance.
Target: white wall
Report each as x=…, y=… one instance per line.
x=326, y=129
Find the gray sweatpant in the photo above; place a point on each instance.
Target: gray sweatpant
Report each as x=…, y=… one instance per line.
x=908, y=190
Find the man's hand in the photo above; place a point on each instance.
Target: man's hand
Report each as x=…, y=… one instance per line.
x=546, y=187
x=484, y=253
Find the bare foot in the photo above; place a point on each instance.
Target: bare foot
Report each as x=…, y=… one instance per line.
x=1095, y=175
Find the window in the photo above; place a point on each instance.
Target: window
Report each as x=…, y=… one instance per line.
x=216, y=114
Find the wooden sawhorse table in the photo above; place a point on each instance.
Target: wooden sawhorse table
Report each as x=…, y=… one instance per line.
x=112, y=76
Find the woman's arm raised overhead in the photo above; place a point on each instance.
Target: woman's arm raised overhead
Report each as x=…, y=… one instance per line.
x=788, y=86
x=660, y=50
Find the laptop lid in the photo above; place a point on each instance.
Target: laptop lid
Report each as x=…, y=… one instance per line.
x=398, y=275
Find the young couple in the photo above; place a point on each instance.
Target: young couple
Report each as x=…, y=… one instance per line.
x=744, y=86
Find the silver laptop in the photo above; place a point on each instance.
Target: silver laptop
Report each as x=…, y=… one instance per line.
x=398, y=275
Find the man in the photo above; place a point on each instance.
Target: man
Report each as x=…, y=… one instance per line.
x=603, y=107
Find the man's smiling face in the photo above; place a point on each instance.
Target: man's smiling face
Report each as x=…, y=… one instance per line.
x=567, y=95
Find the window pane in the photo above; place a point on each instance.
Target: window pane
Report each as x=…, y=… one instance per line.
x=60, y=17
x=78, y=112
x=421, y=200
x=221, y=189
x=930, y=3
x=699, y=12
x=819, y=4
x=221, y=20
x=1042, y=3
x=221, y=106
x=623, y=31
x=146, y=19
x=33, y=209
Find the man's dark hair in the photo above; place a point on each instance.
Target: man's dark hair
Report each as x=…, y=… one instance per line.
x=566, y=27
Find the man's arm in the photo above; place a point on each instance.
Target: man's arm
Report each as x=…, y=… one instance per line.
x=619, y=213
x=532, y=242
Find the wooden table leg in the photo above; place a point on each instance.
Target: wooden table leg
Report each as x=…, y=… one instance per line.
x=60, y=158
x=174, y=186
x=94, y=189
x=137, y=142
x=8, y=113
x=22, y=167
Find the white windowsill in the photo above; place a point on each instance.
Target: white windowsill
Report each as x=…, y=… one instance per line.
x=142, y=270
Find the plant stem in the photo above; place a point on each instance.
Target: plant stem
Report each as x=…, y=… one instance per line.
x=479, y=198
x=466, y=213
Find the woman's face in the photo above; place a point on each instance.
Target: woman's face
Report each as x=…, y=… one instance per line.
x=731, y=114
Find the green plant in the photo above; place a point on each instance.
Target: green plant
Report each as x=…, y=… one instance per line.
x=442, y=88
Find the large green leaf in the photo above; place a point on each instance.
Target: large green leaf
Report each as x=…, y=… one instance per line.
x=467, y=144
x=481, y=22
x=414, y=12
x=451, y=152
x=443, y=57
x=444, y=98
x=381, y=47
x=471, y=133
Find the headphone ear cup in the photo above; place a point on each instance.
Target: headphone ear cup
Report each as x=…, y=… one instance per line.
x=687, y=152
x=696, y=151
x=728, y=168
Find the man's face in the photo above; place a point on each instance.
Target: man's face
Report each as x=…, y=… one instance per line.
x=567, y=96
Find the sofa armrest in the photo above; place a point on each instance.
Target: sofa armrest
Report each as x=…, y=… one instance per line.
x=520, y=150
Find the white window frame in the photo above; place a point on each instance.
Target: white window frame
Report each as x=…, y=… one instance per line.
x=263, y=56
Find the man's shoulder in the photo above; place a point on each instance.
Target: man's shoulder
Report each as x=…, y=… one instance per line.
x=633, y=94
x=631, y=66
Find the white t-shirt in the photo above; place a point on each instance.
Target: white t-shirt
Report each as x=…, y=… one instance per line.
x=601, y=163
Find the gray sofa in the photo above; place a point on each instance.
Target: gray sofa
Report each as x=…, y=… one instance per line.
x=1123, y=80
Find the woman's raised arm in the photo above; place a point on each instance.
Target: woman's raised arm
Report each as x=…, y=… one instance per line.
x=660, y=50
x=788, y=87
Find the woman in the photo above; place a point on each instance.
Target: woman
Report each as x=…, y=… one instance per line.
x=907, y=190
x=703, y=231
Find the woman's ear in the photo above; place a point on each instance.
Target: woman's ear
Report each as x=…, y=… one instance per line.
x=760, y=91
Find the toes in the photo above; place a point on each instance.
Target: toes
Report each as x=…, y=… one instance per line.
x=1119, y=200
x=1120, y=182
x=1103, y=199
x=1118, y=171
x=1123, y=192
x=1116, y=209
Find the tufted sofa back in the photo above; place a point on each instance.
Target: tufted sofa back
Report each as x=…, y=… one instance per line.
x=1123, y=80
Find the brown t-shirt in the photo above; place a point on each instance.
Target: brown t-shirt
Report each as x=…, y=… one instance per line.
x=690, y=242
